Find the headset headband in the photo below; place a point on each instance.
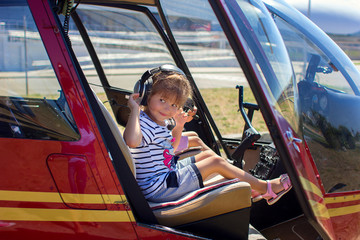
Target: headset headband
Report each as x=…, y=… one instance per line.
x=145, y=83
x=163, y=68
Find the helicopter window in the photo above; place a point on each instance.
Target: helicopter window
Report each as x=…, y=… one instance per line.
x=31, y=103
x=309, y=62
x=212, y=63
x=329, y=110
x=253, y=22
x=126, y=44
x=125, y=41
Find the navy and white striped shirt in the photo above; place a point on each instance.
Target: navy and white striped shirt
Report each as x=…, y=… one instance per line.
x=154, y=157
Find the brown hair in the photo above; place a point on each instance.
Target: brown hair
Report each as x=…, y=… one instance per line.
x=171, y=84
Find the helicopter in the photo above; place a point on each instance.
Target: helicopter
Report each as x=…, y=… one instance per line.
x=274, y=94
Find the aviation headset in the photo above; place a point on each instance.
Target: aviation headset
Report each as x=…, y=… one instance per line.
x=143, y=86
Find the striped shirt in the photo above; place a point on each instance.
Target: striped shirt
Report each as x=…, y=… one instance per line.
x=154, y=157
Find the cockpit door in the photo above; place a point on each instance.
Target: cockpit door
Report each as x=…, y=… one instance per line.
x=328, y=92
x=262, y=54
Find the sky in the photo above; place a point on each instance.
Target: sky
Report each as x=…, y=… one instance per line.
x=333, y=16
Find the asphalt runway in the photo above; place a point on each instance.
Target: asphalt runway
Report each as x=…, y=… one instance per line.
x=45, y=83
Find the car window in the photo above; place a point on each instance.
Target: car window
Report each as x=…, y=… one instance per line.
x=31, y=101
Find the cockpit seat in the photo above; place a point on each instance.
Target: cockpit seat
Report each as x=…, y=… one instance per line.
x=224, y=205
x=213, y=200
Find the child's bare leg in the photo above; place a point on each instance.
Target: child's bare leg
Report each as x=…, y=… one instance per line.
x=216, y=164
x=211, y=163
x=196, y=141
x=205, y=154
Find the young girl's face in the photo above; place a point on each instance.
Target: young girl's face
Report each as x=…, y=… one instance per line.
x=161, y=108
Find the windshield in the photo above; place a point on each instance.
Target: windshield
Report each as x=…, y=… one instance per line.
x=328, y=102
x=255, y=25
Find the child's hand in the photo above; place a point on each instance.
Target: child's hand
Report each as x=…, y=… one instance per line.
x=182, y=117
x=192, y=113
x=134, y=102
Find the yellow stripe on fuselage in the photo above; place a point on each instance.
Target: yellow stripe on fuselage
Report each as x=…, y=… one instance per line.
x=310, y=187
x=342, y=199
x=340, y=211
x=68, y=215
x=322, y=210
x=25, y=196
x=54, y=197
x=319, y=208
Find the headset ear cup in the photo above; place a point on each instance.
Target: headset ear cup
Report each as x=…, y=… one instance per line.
x=143, y=101
x=138, y=88
x=146, y=91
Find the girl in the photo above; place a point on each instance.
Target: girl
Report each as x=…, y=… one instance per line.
x=159, y=175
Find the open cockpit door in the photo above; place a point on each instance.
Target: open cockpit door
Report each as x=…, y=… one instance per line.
x=328, y=97
x=273, y=83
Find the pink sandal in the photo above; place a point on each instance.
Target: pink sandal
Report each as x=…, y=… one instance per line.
x=272, y=197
